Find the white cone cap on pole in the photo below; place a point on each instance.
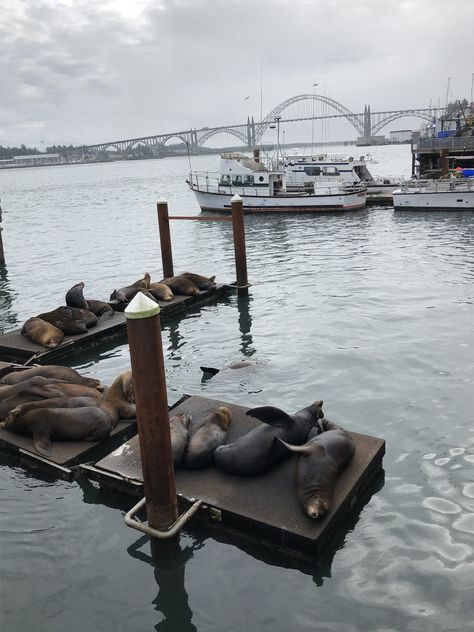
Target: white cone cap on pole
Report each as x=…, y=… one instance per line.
x=236, y=198
x=141, y=307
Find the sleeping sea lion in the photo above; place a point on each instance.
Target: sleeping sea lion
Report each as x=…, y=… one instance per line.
x=88, y=423
x=66, y=402
x=128, y=292
x=121, y=394
x=179, y=435
x=161, y=291
x=12, y=395
x=71, y=320
x=239, y=364
x=181, y=285
x=318, y=466
x=101, y=309
x=42, y=333
x=259, y=450
x=55, y=371
x=75, y=296
x=202, y=282
x=206, y=435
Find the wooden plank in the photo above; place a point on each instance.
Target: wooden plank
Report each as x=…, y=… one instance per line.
x=264, y=504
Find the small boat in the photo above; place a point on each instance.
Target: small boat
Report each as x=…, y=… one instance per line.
x=452, y=194
x=300, y=168
x=263, y=188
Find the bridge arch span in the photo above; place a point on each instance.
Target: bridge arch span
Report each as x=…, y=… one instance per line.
x=203, y=138
x=397, y=115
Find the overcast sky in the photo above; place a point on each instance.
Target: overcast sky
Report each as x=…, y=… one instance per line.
x=87, y=71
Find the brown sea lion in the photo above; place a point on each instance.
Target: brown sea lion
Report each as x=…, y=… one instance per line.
x=202, y=282
x=128, y=292
x=75, y=296
x=52, y=371
x=161, y=291
x=42, y=333
x=181, y=285
x=206, y=435
x=12, y=395
x=179, y=435
x=259, y=450
x=121, y=394
x=89, y=423
x=239, y=364
x=320, y=461
x=67, y=402
x=101, y=309
x=71, y=320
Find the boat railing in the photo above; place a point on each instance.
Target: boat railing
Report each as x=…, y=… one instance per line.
x=448, y=184
x=209, y=182
x=451, y=142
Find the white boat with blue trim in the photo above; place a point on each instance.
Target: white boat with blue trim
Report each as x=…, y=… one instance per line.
x=452, y=194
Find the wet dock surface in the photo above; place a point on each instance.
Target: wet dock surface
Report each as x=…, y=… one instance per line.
x=14, y=347
x=266, y=504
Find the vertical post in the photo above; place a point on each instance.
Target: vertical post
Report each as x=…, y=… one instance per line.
x=444, y=162
x=165, y=239
x=412, y=161
x=2, y=253
x=239, y=242
x=146, y=355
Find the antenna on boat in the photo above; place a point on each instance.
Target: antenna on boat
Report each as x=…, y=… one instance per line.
x=312, y=120
x=189, y=155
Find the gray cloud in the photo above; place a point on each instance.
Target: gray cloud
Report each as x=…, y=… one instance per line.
x=75, y=71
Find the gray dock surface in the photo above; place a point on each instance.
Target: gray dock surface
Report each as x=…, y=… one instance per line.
x=266, y=504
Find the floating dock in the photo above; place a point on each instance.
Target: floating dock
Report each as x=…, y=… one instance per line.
x=265, y=505
x=17, y=348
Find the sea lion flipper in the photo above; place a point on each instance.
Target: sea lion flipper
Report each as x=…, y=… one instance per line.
x=42, y=441
x=302, y=450
x=209, y=369
x=271, y=415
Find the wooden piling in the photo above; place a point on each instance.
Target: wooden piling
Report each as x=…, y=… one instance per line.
x=146, y=354
x=165, y=239
x=2, y=253
x=239, y=242
x=444, y=162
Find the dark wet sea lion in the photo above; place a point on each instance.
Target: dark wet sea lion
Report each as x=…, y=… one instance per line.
x=73, y=390
x=128, y=292
x=239, y=364
x=35, y=388
x=161, y=292
x=67, y=402
x=62, y=317
x=320, y=461
x=75, y=296
x=259, y=450
x=181, y=285
x=88, y=318
x=88, y=423
x=51, y=371
x=202, y=282
x=179, y=435
x=121, y=394
x=205, y=436
x=42, y=333
x=101, y=309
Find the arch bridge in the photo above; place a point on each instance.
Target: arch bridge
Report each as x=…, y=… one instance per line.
x=302, y=107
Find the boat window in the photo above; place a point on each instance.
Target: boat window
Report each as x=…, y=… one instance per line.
x=238, y=179
x=312, y=171
x=249, y=180
x=225, y=180
x=260, y=178
x=331, y=171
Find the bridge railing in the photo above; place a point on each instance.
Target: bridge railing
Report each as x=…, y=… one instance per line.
x=452, y=142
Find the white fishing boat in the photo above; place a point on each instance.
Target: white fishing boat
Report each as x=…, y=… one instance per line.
x=452, y=194
x=300, y=169
x=263, y=188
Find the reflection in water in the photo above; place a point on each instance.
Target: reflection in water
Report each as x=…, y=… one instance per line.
x=8, y=319
x=245, y=323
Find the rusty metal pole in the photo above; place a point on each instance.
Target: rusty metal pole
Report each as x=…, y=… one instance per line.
x=2, y=253
x=239, y=242
x=444, y=162
x=165, y=239
x=146, y=354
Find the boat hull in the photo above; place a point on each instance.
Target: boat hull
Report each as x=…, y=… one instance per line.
x=441, y=200
x=209, y=201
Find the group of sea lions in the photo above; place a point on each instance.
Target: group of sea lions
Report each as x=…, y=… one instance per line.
x=57, y=403
x=187, y=284
x=76, y=317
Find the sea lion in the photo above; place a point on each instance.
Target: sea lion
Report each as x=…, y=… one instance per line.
x=239, y=364
x=127, y=293
x=207, y=434
x=202, y=282
x=88, y=423
x=100, y=309
x=42, y=333
x=181, y=285
x=71, y=320
x=259, y=450
x=53, y=371
x=75, y=296
x=67, y=402
x=12, y=395
x=161, y=291
x=318, y=466
x=121, y=394
x=179, y=435
x=69, y=389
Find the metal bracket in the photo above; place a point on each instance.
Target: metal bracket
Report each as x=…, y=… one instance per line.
x=156, y=533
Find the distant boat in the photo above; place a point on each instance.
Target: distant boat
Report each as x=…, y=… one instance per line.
x=264, y=188
x=452, y=194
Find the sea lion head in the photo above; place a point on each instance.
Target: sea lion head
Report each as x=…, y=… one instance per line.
x=316, y=507
x=127, y=387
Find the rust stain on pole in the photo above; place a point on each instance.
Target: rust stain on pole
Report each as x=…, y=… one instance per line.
x=146, y=354
x=444, y=162
x=2, y=253
x=239, y=241
x=165, y=239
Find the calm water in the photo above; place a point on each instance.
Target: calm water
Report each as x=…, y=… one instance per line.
x=371, y=311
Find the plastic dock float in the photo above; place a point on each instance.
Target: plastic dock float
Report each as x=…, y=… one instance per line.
x=17, y=348
x=265, y=505
x=65, y=454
